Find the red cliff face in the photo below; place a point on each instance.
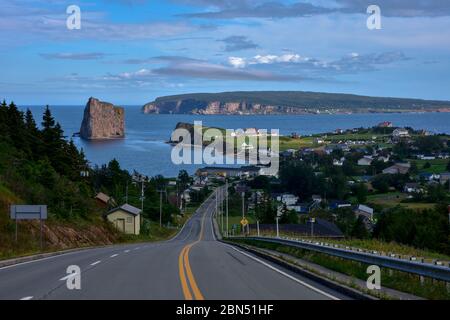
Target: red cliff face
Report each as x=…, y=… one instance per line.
x=102, y=120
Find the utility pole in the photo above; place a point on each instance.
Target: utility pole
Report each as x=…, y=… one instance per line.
x=278, y=229
x=160, y=207
x=257, y=226
x=142, y=196
x=312, y=220
x=243, y=211
x=226, y=194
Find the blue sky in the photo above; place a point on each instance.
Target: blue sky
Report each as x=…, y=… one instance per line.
x=132, y=51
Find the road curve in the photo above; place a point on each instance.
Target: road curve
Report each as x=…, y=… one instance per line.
x=191, y=266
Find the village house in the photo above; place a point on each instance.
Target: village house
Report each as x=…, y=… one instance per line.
x=385, y=124
x=126, y=219
x=365, y=161
x=412, y=188
x=444, y=178
x=400, y=133
x=398, y=168
x=365, y=211
x=338, y=163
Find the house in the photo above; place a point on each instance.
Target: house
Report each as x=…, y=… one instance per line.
x=400, y=133
x=412, y=188
x=426, y=157
x=364, y=211
x=249, y=171
x=385, y=124
x=126, y=219
x=319, y=141
x=383, y=159
x=338, y=163
x=288, y=199
x=365, y=161
x=104, y=200
x=339, y=205
x=445, y=177
x=398, y=168
x=429, y=176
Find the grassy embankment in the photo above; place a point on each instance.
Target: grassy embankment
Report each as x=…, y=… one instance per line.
x=69, y=234
x=428, y=288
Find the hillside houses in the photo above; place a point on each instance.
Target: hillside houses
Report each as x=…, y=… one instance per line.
x=398, y=168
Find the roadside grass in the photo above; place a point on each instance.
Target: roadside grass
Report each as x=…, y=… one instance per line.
x=234, y=220
x=101, y=233
x=367, y=244
x=401, y=281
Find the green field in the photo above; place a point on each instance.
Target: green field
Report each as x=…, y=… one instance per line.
x=437, y=166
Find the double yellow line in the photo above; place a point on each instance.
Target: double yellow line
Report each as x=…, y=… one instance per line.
x=187, y=278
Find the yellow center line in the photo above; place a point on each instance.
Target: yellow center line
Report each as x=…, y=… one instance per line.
x=185, y=268
x=184, y=285
x=198, y=295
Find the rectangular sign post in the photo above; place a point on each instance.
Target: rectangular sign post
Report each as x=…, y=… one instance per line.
x=29, y=212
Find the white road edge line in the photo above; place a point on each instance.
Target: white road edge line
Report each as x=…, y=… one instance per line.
x=114, y=255
x=68, y=277
x=126, y=251
x=96, y=263
x=27, y=298
x=286, y=275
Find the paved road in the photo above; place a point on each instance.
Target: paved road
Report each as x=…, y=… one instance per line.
x=192, y=266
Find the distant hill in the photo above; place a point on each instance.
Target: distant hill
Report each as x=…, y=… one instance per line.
x=282, y=102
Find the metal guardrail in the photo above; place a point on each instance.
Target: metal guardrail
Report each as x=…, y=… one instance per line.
x=435, y=269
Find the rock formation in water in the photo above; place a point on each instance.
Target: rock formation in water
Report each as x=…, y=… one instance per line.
x=102, y=121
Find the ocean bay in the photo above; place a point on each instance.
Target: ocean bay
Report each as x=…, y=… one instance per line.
x=145, y=149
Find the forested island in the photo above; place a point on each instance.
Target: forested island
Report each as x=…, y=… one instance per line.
x=287, y=102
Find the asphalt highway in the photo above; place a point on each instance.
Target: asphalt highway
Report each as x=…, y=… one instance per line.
x=191, y=266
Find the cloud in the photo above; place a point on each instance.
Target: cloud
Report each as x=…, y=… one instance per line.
x=188, y=68
x=238, y=43
x=313, y=67
x=237, y=62
x=73, y=56
x=224, y=9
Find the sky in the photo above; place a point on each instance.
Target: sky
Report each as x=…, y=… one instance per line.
x=129, y=52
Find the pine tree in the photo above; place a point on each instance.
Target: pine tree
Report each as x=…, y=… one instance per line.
x=30, y=124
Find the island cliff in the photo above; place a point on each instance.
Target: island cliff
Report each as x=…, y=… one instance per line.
x=102, y=121
x=286, y=102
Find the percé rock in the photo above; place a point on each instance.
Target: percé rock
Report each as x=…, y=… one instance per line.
x=102, y=121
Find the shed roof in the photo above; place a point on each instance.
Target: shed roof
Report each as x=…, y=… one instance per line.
x=127, y=208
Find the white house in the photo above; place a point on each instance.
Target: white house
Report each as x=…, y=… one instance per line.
x=400, y=133
x=365, y=161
